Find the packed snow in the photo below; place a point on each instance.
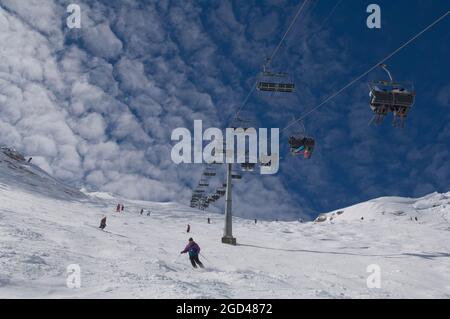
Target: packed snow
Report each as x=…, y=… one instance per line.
x=46, y=226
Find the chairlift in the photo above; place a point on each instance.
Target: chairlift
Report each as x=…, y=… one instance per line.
x=302, y=145
x=269, y=81
x=236, y=175
x=248, y=167
x=242, y=122
x=389, y=96
x=209, y=173
x=203, y=183
x=249, y=164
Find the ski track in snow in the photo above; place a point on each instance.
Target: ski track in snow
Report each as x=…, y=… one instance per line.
x=138, y=255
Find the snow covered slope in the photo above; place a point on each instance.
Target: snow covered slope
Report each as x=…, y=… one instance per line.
x=138, y=256
x=15, y=170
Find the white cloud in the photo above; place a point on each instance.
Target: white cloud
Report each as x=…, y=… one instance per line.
x=101, y=41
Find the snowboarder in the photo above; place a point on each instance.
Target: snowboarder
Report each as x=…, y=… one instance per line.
x=142, y=211
x=118, y=208
x=188, y=228
x=194, y=249
x=103, y=223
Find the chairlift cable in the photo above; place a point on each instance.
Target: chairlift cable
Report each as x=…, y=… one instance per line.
x=368, y=71
x=328, y=17
x=245, y=102
x=299, y=11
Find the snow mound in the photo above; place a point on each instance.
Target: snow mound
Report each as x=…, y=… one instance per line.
x=431, y=208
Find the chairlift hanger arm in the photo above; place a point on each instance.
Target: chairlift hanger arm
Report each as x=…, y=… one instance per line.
x=384, y=67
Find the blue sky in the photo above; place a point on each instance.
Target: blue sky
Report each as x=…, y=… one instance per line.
x=95, y=107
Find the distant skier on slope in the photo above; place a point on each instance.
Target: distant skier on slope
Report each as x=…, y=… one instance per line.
x=118, y=208
x=103, y=223
x=142, y=211
x=193, y=249
x=29, y=160
x=188, y=229
x=122, y=208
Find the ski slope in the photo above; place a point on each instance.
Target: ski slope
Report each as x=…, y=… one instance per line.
x=46, y=226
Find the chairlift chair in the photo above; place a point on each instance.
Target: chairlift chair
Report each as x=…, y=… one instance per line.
x=248, y=167
x=389, y=96
x=302, y=145
x=209, y=173
x=242, y=122
x=236, y=175
x=274, y=82
x=203, y=183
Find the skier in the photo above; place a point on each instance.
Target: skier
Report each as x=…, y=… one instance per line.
x=118, y=208
x=148, y=214
x=29, y=160
x=122, y=207
x=209, y=220
x=142, y=211
x=256, y=220
x=103, y=223
x=194, y=249
x=188, y=228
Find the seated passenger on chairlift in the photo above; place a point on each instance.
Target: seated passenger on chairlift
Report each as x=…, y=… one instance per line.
x=303, y=145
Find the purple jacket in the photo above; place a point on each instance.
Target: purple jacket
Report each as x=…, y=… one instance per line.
x=192, y=248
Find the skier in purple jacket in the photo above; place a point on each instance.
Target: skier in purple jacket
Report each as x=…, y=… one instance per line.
x=193, y=249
